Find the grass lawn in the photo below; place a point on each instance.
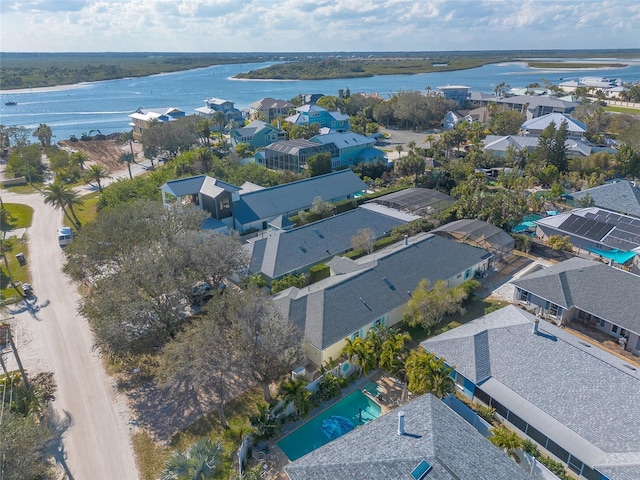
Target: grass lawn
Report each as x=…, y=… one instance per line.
x=474, y=308
x=87, y=212
x=151, y=457
x=19, y=216
x=631, y=111
x=24, y=189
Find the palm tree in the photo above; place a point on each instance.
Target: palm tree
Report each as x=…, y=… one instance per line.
x=127, y=137
x=199, y=462
x=296, y=392
x=399, y=149
x=79, y=158
x=61, y=196
x=96, y=173
x=426, y=373
x=506, y=440
x=393, y=352
x=127, y=158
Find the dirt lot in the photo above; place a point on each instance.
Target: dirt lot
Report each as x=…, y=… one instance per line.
x=105, y=152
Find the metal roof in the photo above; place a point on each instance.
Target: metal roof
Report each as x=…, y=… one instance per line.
x=420, y=201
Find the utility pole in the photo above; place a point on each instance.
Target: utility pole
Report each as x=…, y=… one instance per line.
x=25, y=380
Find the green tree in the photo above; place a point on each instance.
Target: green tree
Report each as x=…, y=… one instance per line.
x=79, y=159
x=295, y=391
x=559, y=242
x=507, y=440
x=96, y=173
x=428, y=374
x=43, y=134
x=319, y=210
x=319, y=164
x=428, y=306
x=506, y=123
x=63, y=197
x=127, y=158
x=393, y=352
x=198, y=462
x=410, y=165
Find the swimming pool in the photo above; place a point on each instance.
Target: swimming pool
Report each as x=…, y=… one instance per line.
x=334, y=422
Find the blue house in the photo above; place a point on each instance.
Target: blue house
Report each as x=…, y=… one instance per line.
x=352, y=148
x=213, y=105
x=307, y=114
x=257, y=134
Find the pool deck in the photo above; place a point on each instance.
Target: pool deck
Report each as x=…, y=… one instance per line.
x=391, y=393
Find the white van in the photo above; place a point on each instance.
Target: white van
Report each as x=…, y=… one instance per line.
x=65, y=236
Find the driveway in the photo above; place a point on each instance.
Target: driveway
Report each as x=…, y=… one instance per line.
x=402, y=137
x=51, y=336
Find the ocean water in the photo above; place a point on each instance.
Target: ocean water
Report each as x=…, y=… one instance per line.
x=105, y=106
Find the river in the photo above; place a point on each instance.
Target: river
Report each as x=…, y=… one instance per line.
x=105, y=106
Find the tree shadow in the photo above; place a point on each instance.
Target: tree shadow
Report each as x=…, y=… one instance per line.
x=60, y=425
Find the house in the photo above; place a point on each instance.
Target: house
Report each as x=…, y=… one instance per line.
x=268, y=109
x=353, y=148
x=292, y=154
x=458, y=93
x=531, y=106
x=436, y=444
x=204, y=192
x=374, y=290
x=291, y=251
x=581, y=290
x=577, y=402
x=214, y=105
x=536, y=126
x=312, y=113
x=256, y=209
x=597, y=230
x=480, y=234
x=454, y=117
x=257, y=134
x=141, y=118
x=621, y=196
x=499, y=144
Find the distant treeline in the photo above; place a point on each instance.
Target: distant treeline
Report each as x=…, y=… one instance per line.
x=30, y=70
x=399, y=63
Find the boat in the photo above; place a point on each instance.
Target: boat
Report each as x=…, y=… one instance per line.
x=10, y=103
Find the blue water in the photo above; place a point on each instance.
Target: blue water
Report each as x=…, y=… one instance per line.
x=105, y=105
x=315, y=433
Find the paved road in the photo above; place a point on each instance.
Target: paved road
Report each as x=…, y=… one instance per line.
x=96, y=445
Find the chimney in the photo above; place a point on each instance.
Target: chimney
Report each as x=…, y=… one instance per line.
x=536, y=325
x=401, y=423
x=406, y=239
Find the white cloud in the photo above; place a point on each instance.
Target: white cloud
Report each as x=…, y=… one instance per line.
x=315, y=25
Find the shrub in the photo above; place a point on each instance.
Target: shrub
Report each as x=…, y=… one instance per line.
x=287, y=281
x=531, y=448
x=318, y=272
x=328, y=388
x=523, y=242
x=486, y=413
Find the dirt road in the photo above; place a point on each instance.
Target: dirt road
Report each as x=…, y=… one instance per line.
x=52, y=337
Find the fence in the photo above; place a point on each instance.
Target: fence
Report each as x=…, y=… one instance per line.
x=618, y=103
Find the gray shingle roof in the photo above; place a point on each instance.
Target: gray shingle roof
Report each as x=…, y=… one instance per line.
x=574, y=126
x=283, y=252
x=604, y=291
x=342, y=304
x=582, y=397
x=295, y=196
x=435, y=433
x=199, y=184
x=621, y=197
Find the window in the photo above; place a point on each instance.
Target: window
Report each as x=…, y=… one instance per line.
x=517, y=421
x=467, y=274
x=614, y=329
x=602, y=323
x=575, y=464
x=557, y=450
x=500, y=409
x=553, y=309
x=523, y=296
x=537, y=436
x=379, y=323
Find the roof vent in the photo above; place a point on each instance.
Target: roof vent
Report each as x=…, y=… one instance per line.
x=401, y=423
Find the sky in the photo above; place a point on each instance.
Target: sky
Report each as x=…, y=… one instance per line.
x=315, y=25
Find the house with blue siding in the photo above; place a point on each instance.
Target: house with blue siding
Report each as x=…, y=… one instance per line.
x=352, y=148
x=214, y=105
x=579, y=403
x=257, y=134
x=312, y=113
x=373, y=291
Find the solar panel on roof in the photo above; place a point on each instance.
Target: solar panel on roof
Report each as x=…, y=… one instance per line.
x=421, y=470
